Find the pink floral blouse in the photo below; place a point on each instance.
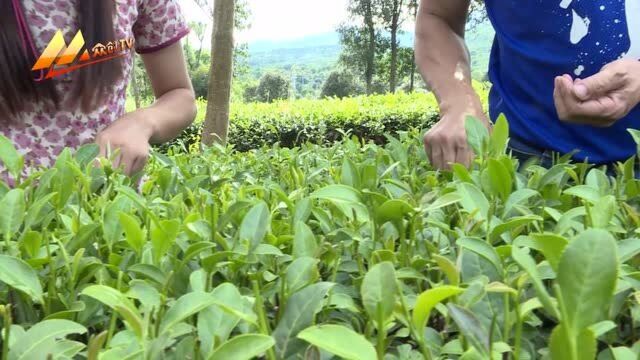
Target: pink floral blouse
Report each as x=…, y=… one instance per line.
x=42, y=133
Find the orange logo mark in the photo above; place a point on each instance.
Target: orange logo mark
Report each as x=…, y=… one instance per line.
x=59, y=58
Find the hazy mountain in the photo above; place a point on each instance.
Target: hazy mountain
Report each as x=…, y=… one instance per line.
x=323, y=50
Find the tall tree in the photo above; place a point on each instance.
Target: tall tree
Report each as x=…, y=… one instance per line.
x=413, y=9
x=392, y=16
x=216, y=124
x=359, y=38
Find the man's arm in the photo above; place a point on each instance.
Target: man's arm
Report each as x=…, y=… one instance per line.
x=443, y=60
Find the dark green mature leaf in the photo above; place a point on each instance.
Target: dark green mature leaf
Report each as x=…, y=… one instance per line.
x=298, y=315
x=20, y=276
x=243, y=347
x=587, y=276
x=471, y=328
x=340, y=341
x=302, y=272
x=379, y=292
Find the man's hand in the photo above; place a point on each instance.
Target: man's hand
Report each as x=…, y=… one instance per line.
x=602, y=99
x=130, y=136
x=446, y=143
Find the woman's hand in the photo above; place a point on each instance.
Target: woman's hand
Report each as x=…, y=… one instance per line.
x=602, y=99
x=128, y=137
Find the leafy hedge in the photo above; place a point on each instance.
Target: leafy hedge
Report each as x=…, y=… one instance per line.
x=292, y=123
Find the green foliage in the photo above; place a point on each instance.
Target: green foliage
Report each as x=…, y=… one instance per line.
x=340, y=84
x=292, y=123
x=354, y=250
x=272, y=87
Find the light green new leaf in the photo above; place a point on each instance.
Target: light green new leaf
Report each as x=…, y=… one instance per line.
x=550, y=245
x=12, y=160
x=500, y=179
x=163, y=237
x=444, y=201
x=38, y=340
x=338, y=193
x=304, y=242
x=256, y=224
x=298, y=315
x=186, y=306
x=518, y=197
x=448, y=268
x=12, y=214
x=529, y=266
x=20, y=276
x=587, y=276
x=340, y=341
x=603, y=211
x=585, y=192
x=566, y=346
x=477, y=134
x=118, y=302
x=243, y=347
x=499, y=136
x=428, y=300
x=379, y=291
x=350, y=175
x=473, y=200
x=393, y=210
x=133, y=232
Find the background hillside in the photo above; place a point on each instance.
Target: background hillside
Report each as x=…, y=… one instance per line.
x=319, y=53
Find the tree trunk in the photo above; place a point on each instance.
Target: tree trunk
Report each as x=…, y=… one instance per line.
x=216, y=124
x=371, y=51
x=134, y=83
x=413, y=64
x=395, y=27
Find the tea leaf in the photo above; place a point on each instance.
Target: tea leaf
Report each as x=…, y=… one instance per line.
x=186, y=306
x=11, y=217
x=340, y=341
x=243, y=347
x=428, y=300
x=12, y=160
x=379, y=291
x=304, y=242
x=40, y=338
x=471, y=327
x=477, y=134
x=587, y=276
x=255, y=225
x=298, y=315
x=119, y=303
x=20, y=276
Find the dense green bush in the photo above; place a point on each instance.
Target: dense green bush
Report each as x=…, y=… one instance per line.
x=340, y=84
x=351, y=251
x=292, y=123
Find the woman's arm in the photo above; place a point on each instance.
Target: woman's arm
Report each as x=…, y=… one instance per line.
x=175, y=107
x=173, y=110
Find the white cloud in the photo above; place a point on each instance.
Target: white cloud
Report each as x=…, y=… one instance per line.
x=282, y=19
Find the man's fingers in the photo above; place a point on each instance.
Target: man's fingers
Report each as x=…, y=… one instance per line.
x=436, y=154
x=448, y=157
x=598, y=85
x=464, y=156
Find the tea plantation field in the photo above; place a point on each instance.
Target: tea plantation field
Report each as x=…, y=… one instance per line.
x=353, y=251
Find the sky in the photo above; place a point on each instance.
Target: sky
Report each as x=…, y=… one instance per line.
x=282, y=19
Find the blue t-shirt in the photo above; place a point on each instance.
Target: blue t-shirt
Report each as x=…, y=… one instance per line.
x=537, y=40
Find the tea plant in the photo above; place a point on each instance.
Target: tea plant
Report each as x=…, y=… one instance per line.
x=354, y=251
